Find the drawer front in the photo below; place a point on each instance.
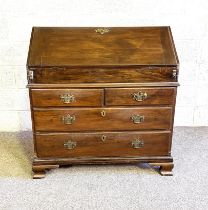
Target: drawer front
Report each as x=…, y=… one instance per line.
x=75, y=119
x=66, y=97
x=103, y=75
x=139, y=96
x=103, y=144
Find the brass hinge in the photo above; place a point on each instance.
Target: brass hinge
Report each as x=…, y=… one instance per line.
x=175, y=73
x=30, y=75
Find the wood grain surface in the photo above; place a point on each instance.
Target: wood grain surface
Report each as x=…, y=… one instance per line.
x=92, y=119
x=125, y=96
x=56, y=46
x=101, y=73
x=53, y=97
x=91, y=144
x=64, y=75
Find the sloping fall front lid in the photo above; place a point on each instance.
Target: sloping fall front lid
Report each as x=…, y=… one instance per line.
x=66, y=46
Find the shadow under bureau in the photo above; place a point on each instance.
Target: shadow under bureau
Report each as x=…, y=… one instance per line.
x=102, y=96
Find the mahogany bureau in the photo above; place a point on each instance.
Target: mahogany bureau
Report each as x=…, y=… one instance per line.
x=102, y=96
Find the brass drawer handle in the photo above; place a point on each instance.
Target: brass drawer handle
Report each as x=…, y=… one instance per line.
x=68, y=119
x=70, y=144
x=136, y=144
x=140, y=96
x=137, y=118
x=67, y=98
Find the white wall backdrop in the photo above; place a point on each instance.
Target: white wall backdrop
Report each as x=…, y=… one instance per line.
x=187, y=18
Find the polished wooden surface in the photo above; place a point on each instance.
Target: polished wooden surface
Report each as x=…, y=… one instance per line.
x=91, y=144
x=125, y=96
x=114, y=119
x=40, y=165
x=142, y=74
x=56, y=46
x=103, y=85
x=52, y=97
x=102, y=72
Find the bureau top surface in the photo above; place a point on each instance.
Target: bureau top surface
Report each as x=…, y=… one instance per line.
x=116, y=46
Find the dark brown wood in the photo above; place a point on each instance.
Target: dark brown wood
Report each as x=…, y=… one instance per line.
x=40, y=165
x=104, y=85
x=92, y=144
x=173, y=113
x=100, y=72
x=64, y=75
x=84, y=47
x=52, y=97
x=102, y=160
x=125, y=96
x=92, y=119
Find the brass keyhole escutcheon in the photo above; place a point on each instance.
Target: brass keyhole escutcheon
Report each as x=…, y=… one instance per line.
x=102, y=30
x=103, y=113
x=103, y=138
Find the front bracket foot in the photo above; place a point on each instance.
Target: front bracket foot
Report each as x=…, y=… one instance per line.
x=39, y=171
x=165, y=168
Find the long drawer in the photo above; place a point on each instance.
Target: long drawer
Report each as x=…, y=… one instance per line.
x=103, y=144
x=67, y=97
x=95, y=119
x=139, y=96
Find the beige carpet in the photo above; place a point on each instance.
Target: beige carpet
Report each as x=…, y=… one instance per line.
x=106, y=187
x=15, y=155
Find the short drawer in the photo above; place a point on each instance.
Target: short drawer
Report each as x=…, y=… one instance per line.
x=66, y=97
x=91, y=119
x=139, y=96
x=103, y=144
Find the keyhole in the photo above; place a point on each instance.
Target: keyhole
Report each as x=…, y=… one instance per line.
x=103, y=113
x=103, y=138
